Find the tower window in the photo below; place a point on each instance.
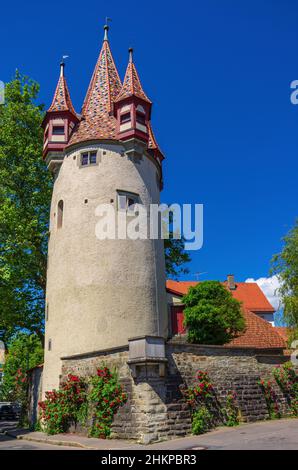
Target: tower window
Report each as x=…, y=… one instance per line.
x=126, y=201
x=89, y=158
x=47, y=312
x=125, y=118
x=58, y=130
x=140, y=118
x=60, y=214
x=50, y=345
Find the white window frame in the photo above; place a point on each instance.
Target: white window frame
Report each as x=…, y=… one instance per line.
x=123, y=198
x=89, y=163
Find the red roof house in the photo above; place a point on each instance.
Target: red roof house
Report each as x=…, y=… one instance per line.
x=259, y=333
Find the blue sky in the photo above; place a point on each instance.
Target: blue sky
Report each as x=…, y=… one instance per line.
x=219, y=74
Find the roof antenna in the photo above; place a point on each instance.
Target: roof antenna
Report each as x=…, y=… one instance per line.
x=198, y=274
x=106, y=28
x=62, y=65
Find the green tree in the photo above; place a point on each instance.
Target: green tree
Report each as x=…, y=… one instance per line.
x=285, y=265
x=175, y=257
x=25, y=192
x=24, y=351
x=211, y=314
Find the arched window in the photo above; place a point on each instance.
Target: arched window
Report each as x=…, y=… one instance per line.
x=60, y=214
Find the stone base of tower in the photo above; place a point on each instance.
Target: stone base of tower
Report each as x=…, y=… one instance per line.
x=155, y=409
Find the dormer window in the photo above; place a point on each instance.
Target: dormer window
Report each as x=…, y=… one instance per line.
x=89, y=158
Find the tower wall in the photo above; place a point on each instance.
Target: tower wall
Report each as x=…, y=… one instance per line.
x=100, y=292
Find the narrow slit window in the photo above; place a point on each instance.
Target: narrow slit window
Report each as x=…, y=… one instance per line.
x=60, y=214
x=92, y=158
x=85, y=158
x=50, y=345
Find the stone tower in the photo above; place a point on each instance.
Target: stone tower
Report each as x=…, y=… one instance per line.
x=101, y=292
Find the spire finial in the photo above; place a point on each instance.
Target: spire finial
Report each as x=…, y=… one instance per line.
x=130, y=52
x=62, y=65
x=106, y=28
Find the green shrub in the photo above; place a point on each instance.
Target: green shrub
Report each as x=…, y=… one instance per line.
x=201, y=420
x=211, y=314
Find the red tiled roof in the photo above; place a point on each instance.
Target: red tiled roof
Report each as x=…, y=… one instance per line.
x=259, y=333
x=98, y=121
x=61, y=100
x=248, y=293
x=132, y=84
x=152, y=143
x=283, y=331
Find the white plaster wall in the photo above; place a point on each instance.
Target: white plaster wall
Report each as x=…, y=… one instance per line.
x=100, y=292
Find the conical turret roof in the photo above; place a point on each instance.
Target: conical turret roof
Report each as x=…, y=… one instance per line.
x=132, y=85
x=61, y=100
x=97, y=120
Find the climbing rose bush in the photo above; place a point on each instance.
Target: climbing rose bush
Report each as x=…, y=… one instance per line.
x=206, y=409
x=99, y=398
x=61, y=407
x=106, y=397
x=202, y=389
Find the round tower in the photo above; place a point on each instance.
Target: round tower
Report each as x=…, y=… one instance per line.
x=101, y=292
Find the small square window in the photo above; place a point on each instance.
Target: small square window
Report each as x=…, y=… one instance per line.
x=125, y=118
x=127, y=201
x=89, y=158
x=58, y=130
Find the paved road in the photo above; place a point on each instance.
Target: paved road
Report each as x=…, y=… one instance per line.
x=9, y=443
x=270, y=435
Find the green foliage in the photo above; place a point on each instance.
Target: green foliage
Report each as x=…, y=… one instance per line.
x=100, y=398
x=106, y=396
x=231, y=410
x=201, y=420
x=287, y=379
x=25, y=192
x=61, y=407
x=211, y=314
x=285, y=265
x=24, y=351
x=271, y=398
x=201, y=390
x=175, y=257
x=206, y=410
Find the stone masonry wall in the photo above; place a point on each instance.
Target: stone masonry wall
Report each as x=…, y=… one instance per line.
x=155, y=409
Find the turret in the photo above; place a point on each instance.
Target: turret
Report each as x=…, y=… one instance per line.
x=132, y=109
x=58, y=123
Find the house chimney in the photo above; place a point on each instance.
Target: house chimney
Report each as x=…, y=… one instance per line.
x=231, y=282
